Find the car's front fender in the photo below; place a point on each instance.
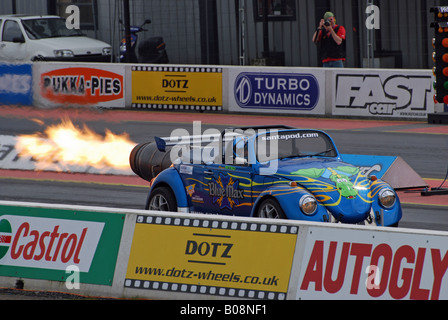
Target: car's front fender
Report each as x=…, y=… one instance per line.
x=387, y=217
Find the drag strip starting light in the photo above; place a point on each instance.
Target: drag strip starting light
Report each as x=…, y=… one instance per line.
x=440, y=55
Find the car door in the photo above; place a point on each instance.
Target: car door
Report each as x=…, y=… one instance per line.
x=12, y=44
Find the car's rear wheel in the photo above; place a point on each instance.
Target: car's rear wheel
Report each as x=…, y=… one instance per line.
x=162, y=199
x=270, y=209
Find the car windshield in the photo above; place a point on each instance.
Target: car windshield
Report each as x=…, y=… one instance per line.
x=42, y=28
x=292, y=144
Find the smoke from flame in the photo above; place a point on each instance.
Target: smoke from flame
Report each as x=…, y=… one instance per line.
x=67, y=145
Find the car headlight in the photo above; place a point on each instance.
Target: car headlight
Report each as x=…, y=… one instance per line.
x=387, y=198
x=308, y=205
x=107, y=51
x=64, y=53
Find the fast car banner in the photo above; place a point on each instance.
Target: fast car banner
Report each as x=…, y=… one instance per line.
x=223, y=258
x=383, y=93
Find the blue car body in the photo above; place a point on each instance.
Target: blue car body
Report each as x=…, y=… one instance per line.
x=312, y=185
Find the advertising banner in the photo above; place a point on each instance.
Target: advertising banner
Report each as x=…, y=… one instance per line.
x=236, y=259
x=383, y=93
x=177, y=88
x=16, y=84
x=363, y=264
x=278, y=90
x=80, y=85
x=41, y=243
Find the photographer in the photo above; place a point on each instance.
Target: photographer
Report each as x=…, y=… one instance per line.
x=331, y=39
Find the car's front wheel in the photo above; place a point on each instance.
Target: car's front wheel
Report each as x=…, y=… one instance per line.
x=270, y=209
x=162, y=199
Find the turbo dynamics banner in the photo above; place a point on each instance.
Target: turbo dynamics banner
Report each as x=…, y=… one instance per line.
x=277, y=90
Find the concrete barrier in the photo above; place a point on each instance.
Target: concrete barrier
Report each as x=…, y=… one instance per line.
x=133, y=253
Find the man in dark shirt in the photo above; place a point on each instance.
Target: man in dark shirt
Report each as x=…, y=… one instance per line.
x=331, y=39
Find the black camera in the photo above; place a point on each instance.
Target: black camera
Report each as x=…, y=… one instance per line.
x=327, y=23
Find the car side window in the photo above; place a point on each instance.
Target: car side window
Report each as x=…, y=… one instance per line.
x=11, y=30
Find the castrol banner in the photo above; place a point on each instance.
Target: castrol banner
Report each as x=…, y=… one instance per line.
x=374, y=264
x=43, y=243
x=80, y=85
x=48, y=243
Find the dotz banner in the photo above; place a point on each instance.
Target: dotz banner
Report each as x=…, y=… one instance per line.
x=154, y=87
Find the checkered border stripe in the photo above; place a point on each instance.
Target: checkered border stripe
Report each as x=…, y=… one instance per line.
x=176, y=107
x=198, y=289
x=215, y=224
x=177, y=69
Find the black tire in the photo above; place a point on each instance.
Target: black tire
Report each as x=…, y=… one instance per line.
x=162, y=199
x=270, y=209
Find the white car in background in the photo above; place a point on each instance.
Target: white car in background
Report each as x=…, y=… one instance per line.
x=25, y=38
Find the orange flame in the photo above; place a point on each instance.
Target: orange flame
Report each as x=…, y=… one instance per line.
x=66, y=145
